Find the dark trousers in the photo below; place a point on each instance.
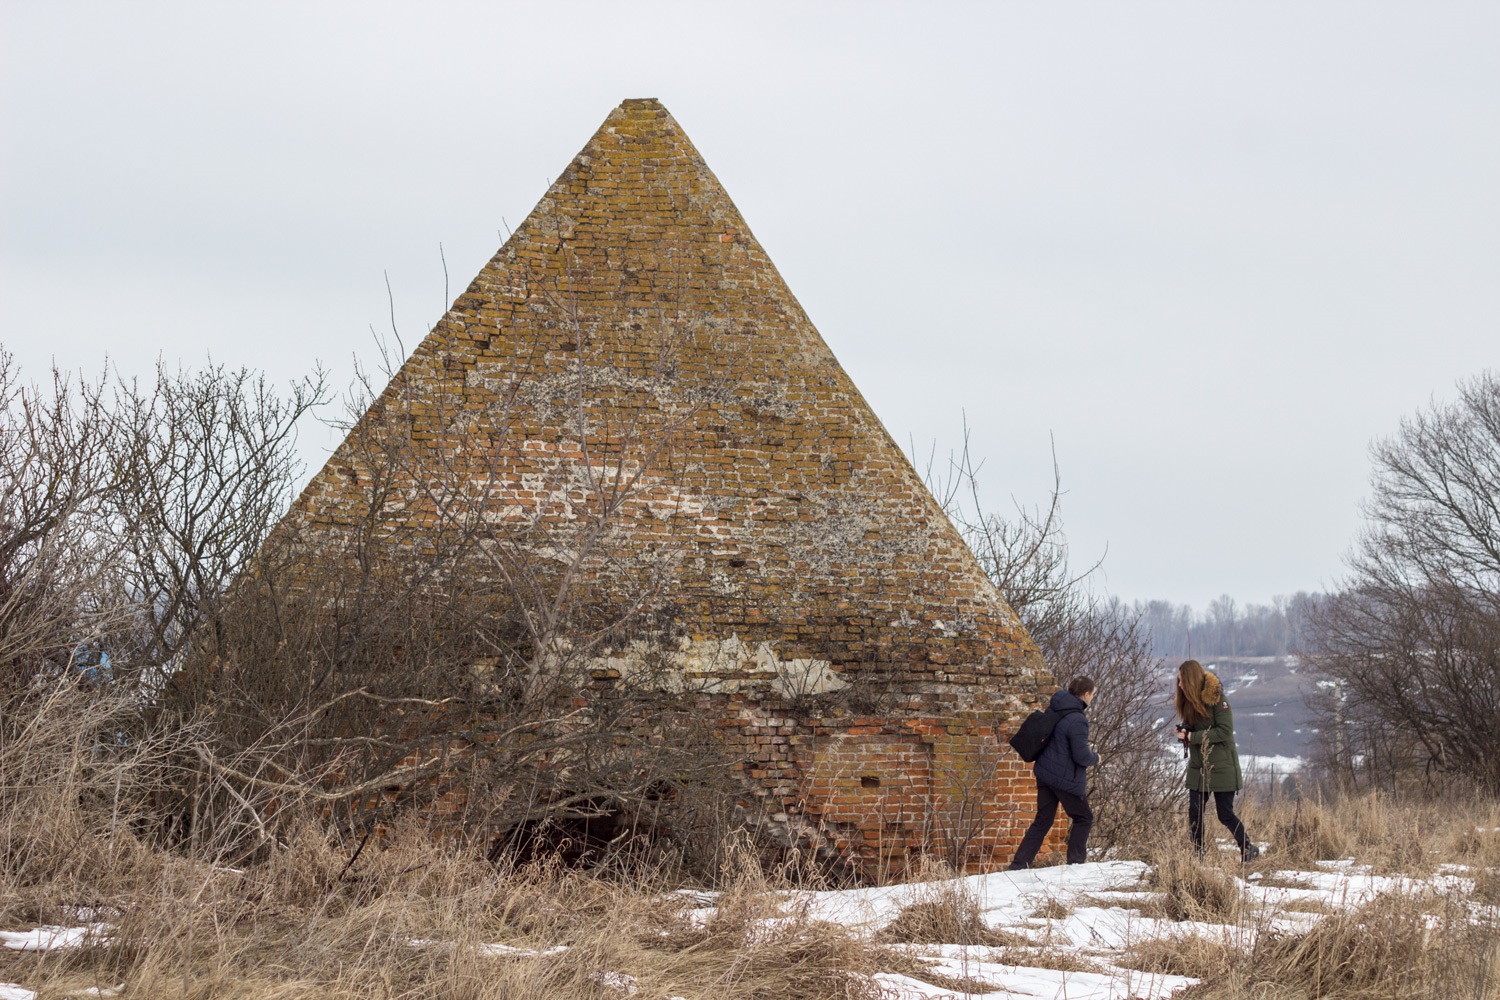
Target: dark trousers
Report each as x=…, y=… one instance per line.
x=1077, y=808
x=1224, y=805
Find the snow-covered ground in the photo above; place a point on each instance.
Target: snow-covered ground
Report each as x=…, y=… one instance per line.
x=1009, y=901
x=1085, y=917
x=1067, y=911
x=1260, y=765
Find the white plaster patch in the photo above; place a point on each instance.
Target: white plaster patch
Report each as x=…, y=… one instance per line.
x=723, y=666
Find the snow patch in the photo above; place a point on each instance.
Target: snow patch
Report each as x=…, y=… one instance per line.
x=494, y=950
x=618, y=982
x=1005, y=898
x=50, y=937
x=510, y=951
x=894, y=986
x=1266, y=763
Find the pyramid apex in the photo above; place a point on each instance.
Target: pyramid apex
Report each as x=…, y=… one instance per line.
x=641, y=108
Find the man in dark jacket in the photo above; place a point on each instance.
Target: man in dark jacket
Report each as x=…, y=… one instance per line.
x=1060, y=777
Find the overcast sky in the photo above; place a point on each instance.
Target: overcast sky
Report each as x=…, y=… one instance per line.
x=1210, y=250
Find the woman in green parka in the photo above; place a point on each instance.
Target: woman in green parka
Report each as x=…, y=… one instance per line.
x=1207, y=730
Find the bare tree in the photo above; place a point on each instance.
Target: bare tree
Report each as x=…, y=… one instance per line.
x=123, y=518
x=208, y=463
x=1026, y=555
x=1273, y=629
x=1411, y=647
x=56, y=469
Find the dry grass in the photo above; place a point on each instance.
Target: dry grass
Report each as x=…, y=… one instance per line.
x=1194, y=956
x=1396, y=947
x=1487, y=886
x=1391, y=835
x=1401, y=945
x=1047, y=958
x=1193, y=889
x=946, y=912
x=413, y=919
x=410, y=919
x=1284, y=880
x=1051, y=909
x=68, y=807
x=938, y=922
x=1478, y=844
x=919, y=968
x=1386, y=838
x=416, y=923
x=1311, y=905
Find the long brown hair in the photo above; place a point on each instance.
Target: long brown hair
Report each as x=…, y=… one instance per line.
x=1192, y=680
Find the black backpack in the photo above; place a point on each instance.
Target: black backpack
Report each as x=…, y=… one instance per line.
x=1033, y=734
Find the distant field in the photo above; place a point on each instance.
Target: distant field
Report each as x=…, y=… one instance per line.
x=1270, y=718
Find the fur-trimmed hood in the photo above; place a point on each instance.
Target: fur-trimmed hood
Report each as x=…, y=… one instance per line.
x=1213, y=689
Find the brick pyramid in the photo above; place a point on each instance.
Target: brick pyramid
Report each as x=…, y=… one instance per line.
x=633, y=335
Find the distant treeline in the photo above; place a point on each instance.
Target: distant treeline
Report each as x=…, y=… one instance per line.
x=1226, y=628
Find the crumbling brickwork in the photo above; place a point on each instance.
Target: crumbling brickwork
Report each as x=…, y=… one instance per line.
x=631, y=349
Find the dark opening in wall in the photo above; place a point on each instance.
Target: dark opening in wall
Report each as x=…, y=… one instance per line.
x=869, y=781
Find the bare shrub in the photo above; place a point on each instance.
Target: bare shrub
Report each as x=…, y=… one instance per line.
x=212, y=462
x=124, y=512
x=457, y=621
x=383, y=699
x=76, y=783
x=1133, y=790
